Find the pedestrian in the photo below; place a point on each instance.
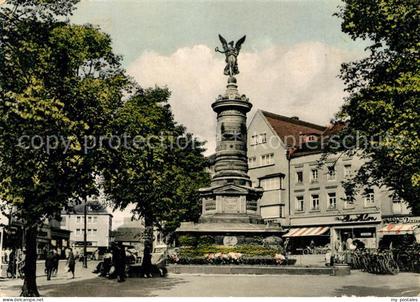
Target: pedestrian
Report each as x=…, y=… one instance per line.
x=121, y=261
x=11, y=267
x=56, y=261
x=71, y=262
x=147, y=259
x=49, y=264
x=107, y=263
x=286, y=248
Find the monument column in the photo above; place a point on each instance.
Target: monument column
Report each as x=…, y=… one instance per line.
x=230, y=204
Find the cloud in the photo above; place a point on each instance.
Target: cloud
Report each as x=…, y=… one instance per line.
x=299, y=80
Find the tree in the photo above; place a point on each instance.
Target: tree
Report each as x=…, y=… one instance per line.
x=60, y=84
x=160, y=171
x=381, y=110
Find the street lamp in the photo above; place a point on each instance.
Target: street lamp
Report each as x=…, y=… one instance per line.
x=85, y=234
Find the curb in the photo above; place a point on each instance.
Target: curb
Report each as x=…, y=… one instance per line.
x=256, y=270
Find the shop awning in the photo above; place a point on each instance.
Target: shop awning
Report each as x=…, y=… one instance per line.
x=301, y=232
x=398, y=229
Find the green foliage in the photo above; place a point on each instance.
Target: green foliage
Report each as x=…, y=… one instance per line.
x=245, y=249
x=160, y=175
x=57, y=81
x=185, y=240
x=206, y=240
x=383, y=96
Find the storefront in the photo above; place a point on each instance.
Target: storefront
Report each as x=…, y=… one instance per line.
x=397, y=231
x=334, y=231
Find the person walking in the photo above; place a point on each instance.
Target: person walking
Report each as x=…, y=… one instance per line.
x=49, y=264
x=147, y=259
x=121, y=261
x=71, y=262
x=11, y=267
x=56, y=260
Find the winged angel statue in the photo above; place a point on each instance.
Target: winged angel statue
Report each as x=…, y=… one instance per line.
x=231, y=52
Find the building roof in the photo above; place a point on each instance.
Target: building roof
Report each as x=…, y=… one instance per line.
x=93, y=208
x=289, y=129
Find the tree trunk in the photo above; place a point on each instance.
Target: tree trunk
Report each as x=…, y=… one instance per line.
x=29, y=288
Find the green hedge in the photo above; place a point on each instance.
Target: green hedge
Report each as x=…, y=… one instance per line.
x=245, y=250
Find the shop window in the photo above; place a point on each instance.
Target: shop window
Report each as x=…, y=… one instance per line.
x=331, y=173
x=299, y=176
x=314, y=175
x=332, y=200
x=369, y=198
x=315, y=201
x=300, y=203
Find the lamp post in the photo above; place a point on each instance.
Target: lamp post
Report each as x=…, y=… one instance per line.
x=85, y=234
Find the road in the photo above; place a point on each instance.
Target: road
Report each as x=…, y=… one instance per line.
x=357, y=284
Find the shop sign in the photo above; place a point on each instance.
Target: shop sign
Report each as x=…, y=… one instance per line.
x=398, y=220
x=356, y=218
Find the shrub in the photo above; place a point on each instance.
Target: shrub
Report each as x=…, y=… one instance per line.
x=206, y=240
x=187, y=240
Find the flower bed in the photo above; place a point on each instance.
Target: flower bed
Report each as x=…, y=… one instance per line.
x=223, y=255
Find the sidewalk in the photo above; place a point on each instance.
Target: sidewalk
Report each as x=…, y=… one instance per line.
x=11, y=287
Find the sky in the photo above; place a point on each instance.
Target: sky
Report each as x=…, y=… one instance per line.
x=289, y=63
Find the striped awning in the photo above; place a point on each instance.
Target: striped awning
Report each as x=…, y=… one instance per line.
x=301, y=232
x=398, y=229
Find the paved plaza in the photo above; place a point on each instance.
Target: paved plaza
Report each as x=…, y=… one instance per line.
x=88, y=284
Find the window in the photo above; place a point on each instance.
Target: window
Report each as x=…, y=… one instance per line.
x=252, y=162
x=332, y=200
x=267, y=159
x=299, y=176
x=78, y=219
x=315, y=201
x=300, y=203
x=89, y=231
x=262, y=139
x=95, y=219
x=314, y=175
x=273, y=183
x=369, y=198
x=254, y=140
x=95, y=230
x=396, y=204
x=258, y=139
x=349, y=201
x=77, y=231
x=89, y=219
x=331, y=173
x=347, y=170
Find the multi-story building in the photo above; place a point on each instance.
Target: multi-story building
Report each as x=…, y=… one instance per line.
x=99, y=224
x=308, y=198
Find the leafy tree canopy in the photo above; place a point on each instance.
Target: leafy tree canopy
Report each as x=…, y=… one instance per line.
x=60, y=85
x=383, y=100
